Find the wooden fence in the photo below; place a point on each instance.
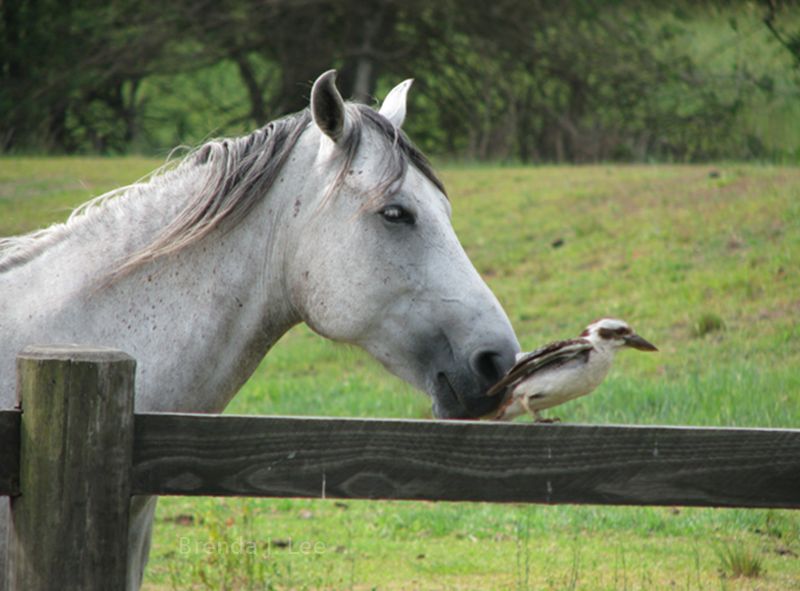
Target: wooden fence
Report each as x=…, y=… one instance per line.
x=77, y=453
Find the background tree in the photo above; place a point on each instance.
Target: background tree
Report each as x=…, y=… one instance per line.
x=578, y=81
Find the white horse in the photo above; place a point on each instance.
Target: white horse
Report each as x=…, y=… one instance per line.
x=329, y=217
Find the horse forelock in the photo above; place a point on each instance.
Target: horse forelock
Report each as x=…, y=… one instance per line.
x=236, y=173
x=403, y=152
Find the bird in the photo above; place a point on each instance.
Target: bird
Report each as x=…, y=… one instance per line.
x=563, y=370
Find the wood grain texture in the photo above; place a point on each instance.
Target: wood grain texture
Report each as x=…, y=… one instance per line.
x=70, y=522
x=9, y=452
x=465, y=461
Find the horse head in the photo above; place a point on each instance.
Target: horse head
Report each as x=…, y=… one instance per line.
x=379, y=265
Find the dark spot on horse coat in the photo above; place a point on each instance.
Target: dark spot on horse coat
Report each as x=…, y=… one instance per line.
x=297, y=205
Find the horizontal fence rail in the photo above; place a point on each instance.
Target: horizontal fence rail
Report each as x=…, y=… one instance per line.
x=9, y=452
x=178, y=454
x=181, y=454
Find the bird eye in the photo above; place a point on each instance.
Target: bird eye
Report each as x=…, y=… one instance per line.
x=395, y=214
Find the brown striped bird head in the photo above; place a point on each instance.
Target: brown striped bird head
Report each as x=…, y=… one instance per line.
x=615, y=333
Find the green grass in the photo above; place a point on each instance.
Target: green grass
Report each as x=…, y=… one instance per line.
x=740, y=561
x=703, y=266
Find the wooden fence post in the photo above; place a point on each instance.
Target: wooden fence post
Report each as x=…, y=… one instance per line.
x=69, y=526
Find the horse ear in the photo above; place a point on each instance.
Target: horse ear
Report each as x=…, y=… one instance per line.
x=394, y=107
x=327, y=106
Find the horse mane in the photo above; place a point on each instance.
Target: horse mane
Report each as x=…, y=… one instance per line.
x=238, y=172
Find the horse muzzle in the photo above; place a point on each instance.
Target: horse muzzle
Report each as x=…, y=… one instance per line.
x=463, y=395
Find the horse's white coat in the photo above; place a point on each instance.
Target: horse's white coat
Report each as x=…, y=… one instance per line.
x=199, y=321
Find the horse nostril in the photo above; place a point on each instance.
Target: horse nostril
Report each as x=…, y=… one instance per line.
x=486, y=365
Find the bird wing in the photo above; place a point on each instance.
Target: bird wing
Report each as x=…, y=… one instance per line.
x=550, y=355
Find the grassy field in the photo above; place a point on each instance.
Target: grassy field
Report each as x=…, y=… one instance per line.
x=702, y=260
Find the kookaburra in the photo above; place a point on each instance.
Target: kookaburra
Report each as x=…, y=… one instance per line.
x=564, y=370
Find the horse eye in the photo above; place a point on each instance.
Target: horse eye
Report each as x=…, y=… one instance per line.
x=395, y=214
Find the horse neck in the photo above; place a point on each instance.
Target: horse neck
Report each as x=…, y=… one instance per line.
x=231, y=302
x=198, y=321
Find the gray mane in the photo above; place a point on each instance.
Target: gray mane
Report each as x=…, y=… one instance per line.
x=239, y=171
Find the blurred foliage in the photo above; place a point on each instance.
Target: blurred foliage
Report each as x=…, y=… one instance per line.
x=522, y=80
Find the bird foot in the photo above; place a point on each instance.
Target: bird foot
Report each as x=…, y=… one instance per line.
x=547, y=421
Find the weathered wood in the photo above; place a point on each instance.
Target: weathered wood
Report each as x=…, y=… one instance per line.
x=9, y=452
x=69, y=525
x=9, y=481
x=465, y=461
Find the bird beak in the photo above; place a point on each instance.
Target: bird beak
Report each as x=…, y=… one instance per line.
x=637, y=342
